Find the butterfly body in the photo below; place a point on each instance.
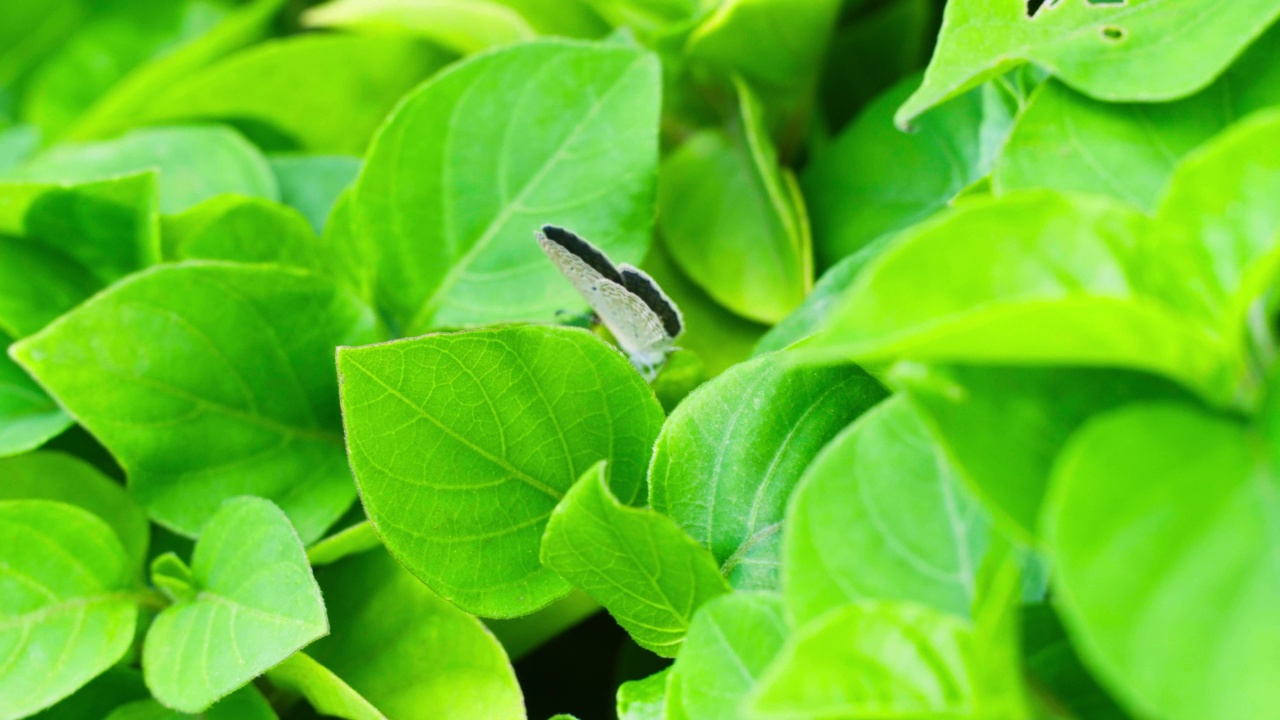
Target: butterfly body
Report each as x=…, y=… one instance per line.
x=641, y=317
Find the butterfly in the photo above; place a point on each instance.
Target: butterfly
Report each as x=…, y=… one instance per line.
x=641, y=317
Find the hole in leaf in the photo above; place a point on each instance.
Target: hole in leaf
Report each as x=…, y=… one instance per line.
x=1114, y=33
x=1033, y=6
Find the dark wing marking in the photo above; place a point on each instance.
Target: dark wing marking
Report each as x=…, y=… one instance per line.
x=588, y=253
x=640, y=284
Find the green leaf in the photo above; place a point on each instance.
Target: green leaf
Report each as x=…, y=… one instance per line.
x=733, y=219
x=256, y=604
x=729, y=456
x=67, y=479
x=731, y=642
x=326, y=692
x=244, y=704
x=1032, y=277
x=1055, y=670
x=881, y=514
x=1111, y=51
x=195, y=162
x=311, y=184
x=243, y=229
x=115, y=687
x=1004, y=426
x=28, y=417
x=210, y=380
x=117, y=38
x=872, y=659
x=121, y=107
x=812, y=314
x=1219, y=225
x=463, y=443
x=635, y=562
x=406, y=651
x=453, y=187
x=348, y=541
x=776, y=45
x=875, y=179
x=1161, y=528
x=61, y=243
x=66, y=613
x=643, y=699
x=464, y=26
x=315, y=93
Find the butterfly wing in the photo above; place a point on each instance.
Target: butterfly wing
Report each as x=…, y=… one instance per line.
x=639, y=330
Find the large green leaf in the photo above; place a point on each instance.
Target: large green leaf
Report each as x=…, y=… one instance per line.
x=1219, y=224
x=195, y=163
x=872, y=659
x=243, y=229
x=875, y=179
x=635, y=562
x=406, y=651
x=733, y=219
x=255, y=603
x=812, y=314
x=120, y=108
x=465, y=26
x=882, y=515
x=1162, y=528
x=462, y=445
x=731, y=453
x=1032, y=277
x=473, y=162
x=731, y=641
x=210, y=380
x=1112, y=51
x=67, y=479
x=118, y=38
x=60, y=243
x=316, y=93
x=1004, y=426
x=1068, y=141
x=66, y=613
x=28, y=416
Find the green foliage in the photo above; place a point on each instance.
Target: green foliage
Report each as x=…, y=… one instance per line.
x=184, y=386
x=1109, y=50
x=65, y=606
x=500, y=424
x=635, y=562
x=440, y=263
x=907, y=529
x=974, y=411
x=729, y=456
x=409, y=653
x=264, y=618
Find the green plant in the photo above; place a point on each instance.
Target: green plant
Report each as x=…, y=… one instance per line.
x=977, y=420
